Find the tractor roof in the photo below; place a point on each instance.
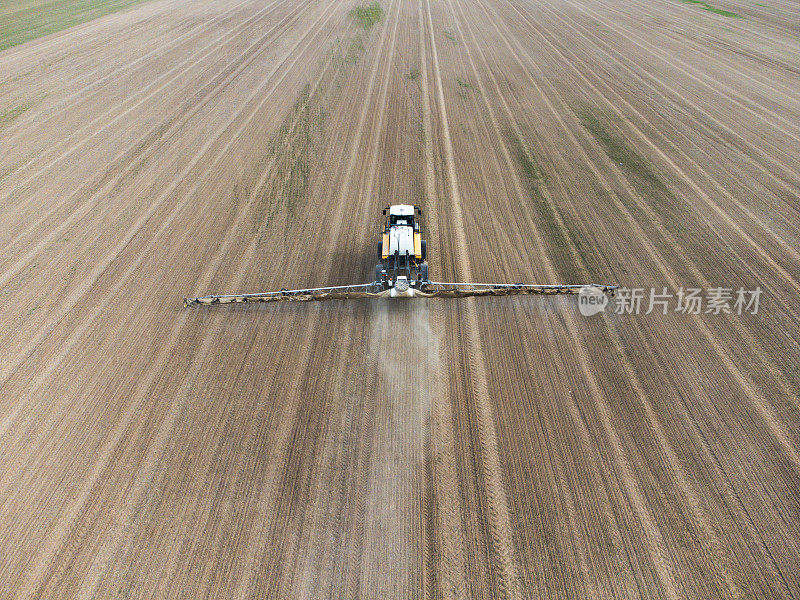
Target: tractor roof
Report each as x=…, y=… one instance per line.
x=402, y=210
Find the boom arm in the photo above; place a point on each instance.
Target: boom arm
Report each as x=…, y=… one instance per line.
x=376, y=290
x=437, y=289
x=340, y=292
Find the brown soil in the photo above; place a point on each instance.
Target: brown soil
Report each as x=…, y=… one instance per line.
x=485, y=447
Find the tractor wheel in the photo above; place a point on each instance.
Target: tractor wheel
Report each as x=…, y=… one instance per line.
x=378, y=272
x=424, y=250
x=380, y=250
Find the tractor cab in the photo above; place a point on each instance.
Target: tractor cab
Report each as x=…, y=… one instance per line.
x=400, y=220
x=402, y=215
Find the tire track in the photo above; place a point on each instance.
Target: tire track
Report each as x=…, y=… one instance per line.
x=733, y=95
x=113, y=76
x=38, y=574
x=272, y=497
x=735, y=504
x=265, y=502
x=100, y=186
x=401, y=415
x=701, y=519
x=612, y=106
x=739, y=68
x=557, y=469
x=752, y=344
x=777, y=429
x=552, y=444
x=499, y=519
x=84, y=289
x=446, y=568
x=383, y=530
x=406, y=381
x=663, y=566
x=43, y=376
x=641, y=75
x=726, y=218
x=249, y=452
x=43, y=45
x=654, y=52
x=336, y=455
x=178, y=71
x=326, y=562
x=268, y=500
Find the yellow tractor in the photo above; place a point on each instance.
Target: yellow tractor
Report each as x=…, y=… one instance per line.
x=403, y=252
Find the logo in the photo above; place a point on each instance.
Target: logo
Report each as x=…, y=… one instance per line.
x=591, y=300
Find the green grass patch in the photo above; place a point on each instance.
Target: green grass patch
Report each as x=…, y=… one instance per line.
x=450, y=36
x=291, y=151
x=413, y=74
x=464, y=88
x=21, y=22
x=562, y=234
x=666, y=215
x=639, y=172
x=531, y=171
x=367, y=15
x=354, y=50
x=6, y=173
x=9, y=114
x=709, y=8
x=633, y=163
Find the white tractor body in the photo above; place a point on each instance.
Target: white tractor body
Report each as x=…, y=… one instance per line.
x=401, y=239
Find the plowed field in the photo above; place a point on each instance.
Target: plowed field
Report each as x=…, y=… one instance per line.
x=475, y=448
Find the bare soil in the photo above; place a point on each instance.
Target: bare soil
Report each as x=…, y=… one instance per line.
x=493, y=447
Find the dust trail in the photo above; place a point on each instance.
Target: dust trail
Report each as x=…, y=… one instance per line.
x=409, y=371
